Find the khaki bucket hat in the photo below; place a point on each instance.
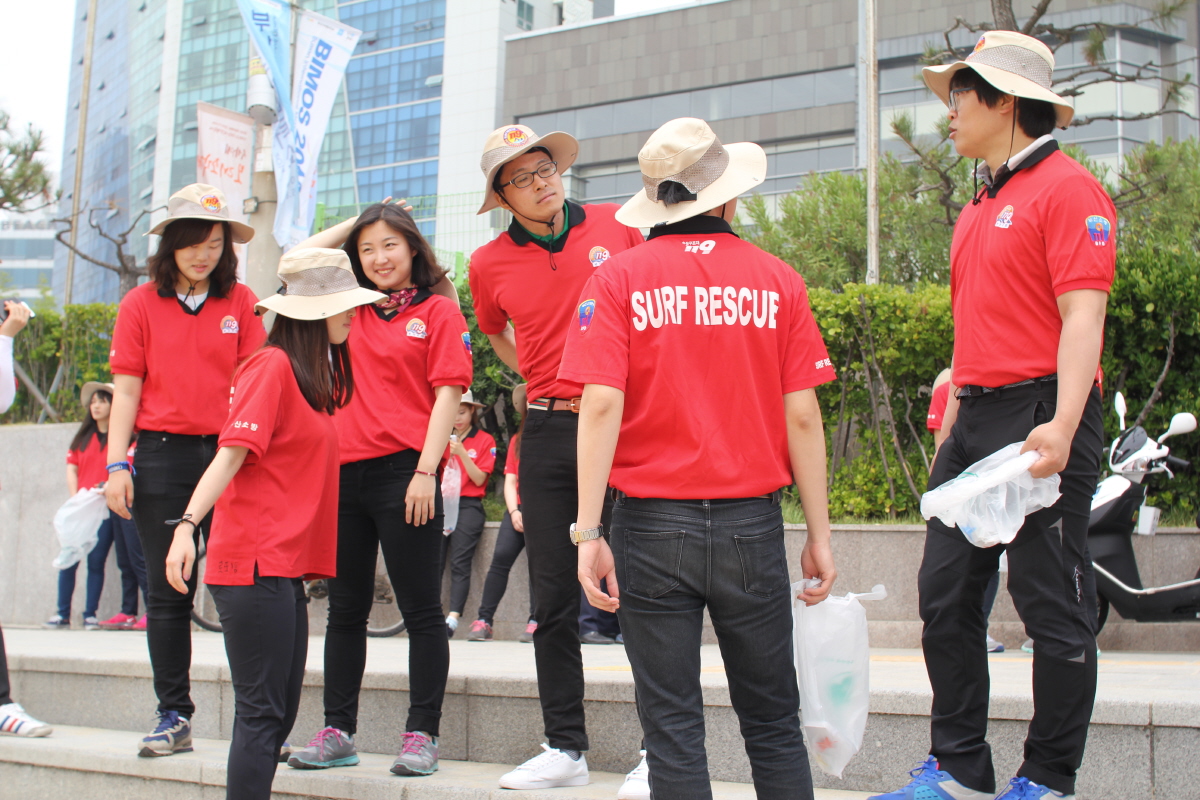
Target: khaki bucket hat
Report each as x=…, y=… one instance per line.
x=1014, y=63
x=91, y=387
x=317, y=283
x=469, y=399
x=687, y=151
x=512, y=141
x=201, y=201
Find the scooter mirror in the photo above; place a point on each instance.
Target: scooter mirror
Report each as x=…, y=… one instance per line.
x=1183, y=422
x=1119, y=405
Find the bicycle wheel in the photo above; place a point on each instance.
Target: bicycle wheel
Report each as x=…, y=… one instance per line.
x=204, y=610
x=386, y=619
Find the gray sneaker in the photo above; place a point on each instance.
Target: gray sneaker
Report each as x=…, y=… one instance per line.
x=418, y=755
x=331, y=747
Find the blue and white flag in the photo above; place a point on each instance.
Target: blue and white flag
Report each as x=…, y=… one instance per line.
x=323, y=49
x=270, y=26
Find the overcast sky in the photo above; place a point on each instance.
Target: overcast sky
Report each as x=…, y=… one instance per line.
x=35, y=63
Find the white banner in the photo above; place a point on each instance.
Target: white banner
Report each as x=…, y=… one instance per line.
x=323, y=49
x=224, y=142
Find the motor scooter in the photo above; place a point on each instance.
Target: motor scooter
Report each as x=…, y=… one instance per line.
x=1118, y=510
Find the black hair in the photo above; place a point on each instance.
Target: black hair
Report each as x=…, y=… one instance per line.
x=672, y=192
x=498, y=185
x=322, y=369
x=89, y=426
x=1036, y=117
x=185, y=233
x=426, y=272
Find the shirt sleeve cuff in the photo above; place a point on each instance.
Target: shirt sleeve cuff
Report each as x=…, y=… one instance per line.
x=490, y=330
x=1083, y=283
x=615, y=381
x=809, y=382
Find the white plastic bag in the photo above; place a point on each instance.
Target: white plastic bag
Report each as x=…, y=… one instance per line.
x=451, y=489
x=990, y=500
x=77, y=523
x=833, y=668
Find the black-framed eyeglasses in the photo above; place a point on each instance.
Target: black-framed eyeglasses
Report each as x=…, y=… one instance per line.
x=954, y=93
x=525, y=179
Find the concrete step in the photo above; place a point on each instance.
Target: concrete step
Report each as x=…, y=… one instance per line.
x=94, y=762
x=1143, y=741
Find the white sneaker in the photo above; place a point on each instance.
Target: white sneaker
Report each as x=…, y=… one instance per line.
x=16, y=722
x=548, y=770
x=637, y=783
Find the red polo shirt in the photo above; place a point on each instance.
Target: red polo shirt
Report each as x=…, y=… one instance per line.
x=186, y=361
x=279, y=512
x=511, y=279
x=1049, y=229
x=705, y=334
x=91, y=461
x=481, y=447
x=397, y=363
x=937, y=407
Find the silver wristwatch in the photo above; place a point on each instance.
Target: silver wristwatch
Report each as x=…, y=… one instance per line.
x=587, y=534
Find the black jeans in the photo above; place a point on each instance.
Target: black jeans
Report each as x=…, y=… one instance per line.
x=549, y=501
x=461, y=544
x=168, y=468
x=370, y=517
x=1052, y=586
x=5, y=687
x=674, y=558
x=509, y=544
x=266, y=641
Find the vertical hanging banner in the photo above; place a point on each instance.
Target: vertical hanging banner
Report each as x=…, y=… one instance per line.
x=224, y=143
x=323, y=49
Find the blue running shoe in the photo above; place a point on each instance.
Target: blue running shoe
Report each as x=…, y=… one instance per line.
x=173, y=734
x=1025, y=789
x=930, y=783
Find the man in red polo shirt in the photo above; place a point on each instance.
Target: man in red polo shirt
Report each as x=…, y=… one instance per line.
x=1031, y=265
x=525, y=285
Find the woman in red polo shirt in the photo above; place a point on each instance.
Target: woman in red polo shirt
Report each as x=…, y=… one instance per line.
x=275, y=524
x=411, y=354
x=177, y=342
x=85, y=469
x=475, y=452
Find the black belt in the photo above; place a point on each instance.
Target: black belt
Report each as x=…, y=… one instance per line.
x=978, y=391
x=775, y=497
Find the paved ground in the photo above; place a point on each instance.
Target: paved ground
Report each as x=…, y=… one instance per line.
x=1124, y=677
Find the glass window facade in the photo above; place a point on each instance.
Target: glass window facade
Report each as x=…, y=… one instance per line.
x=386, y=23
x=394, y=77
x=392, y=135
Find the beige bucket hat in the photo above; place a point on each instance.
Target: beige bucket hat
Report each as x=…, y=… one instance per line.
x=1014, y=63
x=512, y=141
x=469, y=399
x=687, y=151
x=91, y=387
x=317, y=283
x=201, y=201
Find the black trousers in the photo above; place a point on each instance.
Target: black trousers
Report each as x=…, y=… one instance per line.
x=549, y=502
x=5, y=687
x=461, y=544
x=1052, y=586
x=370, y=518
x=168, y=468
x=266, y=641
x=509, y=544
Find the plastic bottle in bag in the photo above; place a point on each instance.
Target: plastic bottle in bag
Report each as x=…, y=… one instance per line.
x=991, y=498
x=833, y=668
x=451, y=489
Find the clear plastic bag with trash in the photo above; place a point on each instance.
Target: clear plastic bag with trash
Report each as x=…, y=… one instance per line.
x=77, y=523
x=833, y=669
x=991, y=498
x=451, y=489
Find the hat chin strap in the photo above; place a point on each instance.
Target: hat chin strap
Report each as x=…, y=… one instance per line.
x=549, y=223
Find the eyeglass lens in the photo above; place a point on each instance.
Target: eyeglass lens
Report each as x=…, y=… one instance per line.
x=526, y=178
